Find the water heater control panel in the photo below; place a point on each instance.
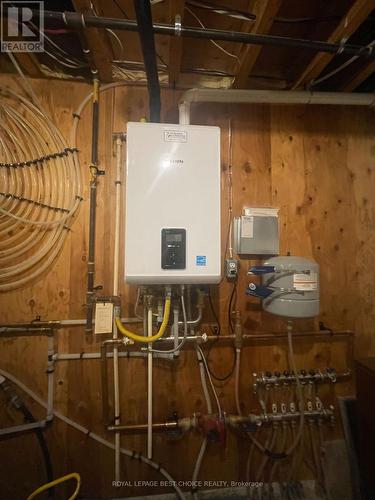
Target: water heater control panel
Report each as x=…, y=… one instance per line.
x=173, y=248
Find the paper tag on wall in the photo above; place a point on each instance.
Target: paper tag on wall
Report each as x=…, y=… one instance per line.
x=103, y=317
x=305, y=282
x=247, y=227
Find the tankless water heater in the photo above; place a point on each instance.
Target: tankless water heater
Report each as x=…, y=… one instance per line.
x=172, y=213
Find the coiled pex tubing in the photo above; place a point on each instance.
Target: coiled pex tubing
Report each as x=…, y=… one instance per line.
x=40, y=190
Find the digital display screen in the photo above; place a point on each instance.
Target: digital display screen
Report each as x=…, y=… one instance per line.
x=174, y=237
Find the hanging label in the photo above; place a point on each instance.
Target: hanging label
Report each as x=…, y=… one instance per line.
x=247, y=227
x=305, y=282
x=175, y=136
x=103, y=317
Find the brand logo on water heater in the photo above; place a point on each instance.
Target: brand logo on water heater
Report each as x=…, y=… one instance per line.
x=172, y=162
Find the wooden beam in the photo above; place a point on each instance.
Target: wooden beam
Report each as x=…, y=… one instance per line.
x=359, y=77
x=176, y=7
x=358, y=13
x=29, y=64
x=265, y=13
x=101, y=53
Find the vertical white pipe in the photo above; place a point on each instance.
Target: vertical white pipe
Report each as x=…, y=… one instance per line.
x=149, y=387
x=115, y=293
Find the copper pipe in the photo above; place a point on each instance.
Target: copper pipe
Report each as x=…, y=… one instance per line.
x=160, y=427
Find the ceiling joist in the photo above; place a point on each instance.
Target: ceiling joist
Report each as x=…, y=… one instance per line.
x=29, y=64
x=101, y=53
x=356, y=15
x=359, y=77
x=265, y=13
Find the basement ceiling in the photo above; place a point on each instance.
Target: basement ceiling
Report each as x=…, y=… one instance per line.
x=185, y=62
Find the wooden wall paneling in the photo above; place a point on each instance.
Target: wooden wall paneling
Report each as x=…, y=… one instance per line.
x=361, y=156
x=269, y=169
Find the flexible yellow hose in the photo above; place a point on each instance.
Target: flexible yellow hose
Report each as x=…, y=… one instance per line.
x=141, y=338
x=72, y=475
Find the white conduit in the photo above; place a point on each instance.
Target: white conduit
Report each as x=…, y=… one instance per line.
x=37, y=200
x=149, y=385
x=94, y=436
x=116, y=256
x=269, y=97
x=207, y=398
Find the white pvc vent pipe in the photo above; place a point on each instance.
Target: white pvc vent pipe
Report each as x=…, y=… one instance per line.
x=269, y=97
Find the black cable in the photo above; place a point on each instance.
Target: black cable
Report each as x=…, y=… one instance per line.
x=124, y=13
x=218, y=332
x=20, y=406
x=29, y=417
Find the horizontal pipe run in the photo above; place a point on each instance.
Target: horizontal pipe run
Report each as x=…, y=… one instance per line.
x=15, y=429
x=233, y=421
x=24, y=329
x=318, y=377
x=237, y=96
x=96, y=355
x=82, y=21
x=258, y=337
x=48, y=327
x=158, y=427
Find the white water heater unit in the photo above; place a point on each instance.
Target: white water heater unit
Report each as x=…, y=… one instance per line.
x=172, y=217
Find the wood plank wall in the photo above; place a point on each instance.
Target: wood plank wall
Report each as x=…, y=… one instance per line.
x=317, y=164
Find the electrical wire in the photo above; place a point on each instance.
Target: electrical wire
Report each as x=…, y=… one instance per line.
x=111, y=32
x=123, y=12
x=217, y=45
x=63, y=479
x=339, y=68
x=229, y=244
x=92, y=435
x=218, y=333
x=226, y=11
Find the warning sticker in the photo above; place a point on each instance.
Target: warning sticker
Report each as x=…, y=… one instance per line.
x=247, y=226
x=305, y=282
x=103, y=317
x=175, y=136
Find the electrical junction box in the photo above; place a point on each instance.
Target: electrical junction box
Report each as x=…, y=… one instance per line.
x=172, y=213
x=257, y=232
